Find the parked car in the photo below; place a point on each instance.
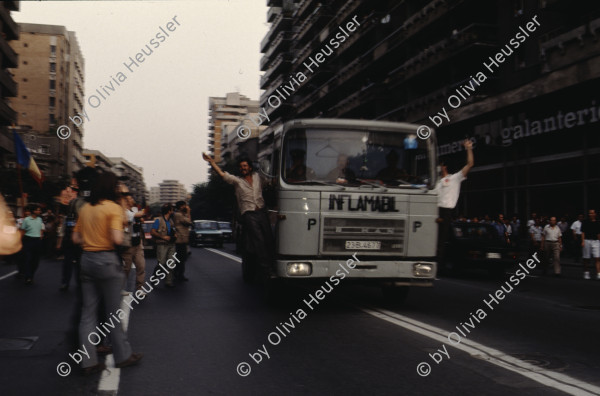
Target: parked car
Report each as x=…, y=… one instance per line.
x=226, y=230
x=206, y=232
x=477, y=245
x=148, y=242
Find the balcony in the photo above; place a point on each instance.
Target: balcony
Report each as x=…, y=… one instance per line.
x=7, y=115
x=442, y=51
x=8, y=84
x=302, y=8
x=280, y=64
x=560, y=50
x=311, y=24
x=272, y=13
x=344, y=12
x=9, y=56
x=9, y=27
x=271, y=88
x=279, y=44
x=281, y=23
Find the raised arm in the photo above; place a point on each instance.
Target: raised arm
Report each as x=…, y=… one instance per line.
x=470, y=160
x=213, y=164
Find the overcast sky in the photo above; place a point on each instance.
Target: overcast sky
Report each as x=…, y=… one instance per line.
x=158, y=117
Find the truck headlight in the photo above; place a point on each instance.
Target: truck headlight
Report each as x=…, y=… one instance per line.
x=299, y=269
x=423, y=269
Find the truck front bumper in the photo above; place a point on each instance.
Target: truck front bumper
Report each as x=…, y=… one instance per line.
x=410, y=271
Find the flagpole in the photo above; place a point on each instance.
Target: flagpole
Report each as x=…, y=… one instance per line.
x=21, y=188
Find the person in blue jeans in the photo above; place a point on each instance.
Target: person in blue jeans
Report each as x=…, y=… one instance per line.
x=99, y=230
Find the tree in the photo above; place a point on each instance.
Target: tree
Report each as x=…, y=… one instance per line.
x=215, y=199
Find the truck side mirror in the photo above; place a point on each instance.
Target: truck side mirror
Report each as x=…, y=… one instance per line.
x=265, y=167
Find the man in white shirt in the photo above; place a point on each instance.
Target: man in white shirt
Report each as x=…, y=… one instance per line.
x=552, y=244
x=258, y=243
x=448, y=190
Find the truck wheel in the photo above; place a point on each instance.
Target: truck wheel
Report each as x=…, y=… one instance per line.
x=395, y=295
x=248, y=270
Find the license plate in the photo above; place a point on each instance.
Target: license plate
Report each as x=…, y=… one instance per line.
x=493, y=255
x=363, y=245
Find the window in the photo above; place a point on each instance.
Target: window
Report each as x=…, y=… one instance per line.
x=24, y=96
x=52, y=84
x=24, y=62
x=52, y=119
x=45, y=149
x=24, y=80
x=25, y=45
x=52, y=50
x=52, y=67
x=52, y=101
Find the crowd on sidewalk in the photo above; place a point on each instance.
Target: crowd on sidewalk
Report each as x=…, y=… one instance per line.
x=554, y=240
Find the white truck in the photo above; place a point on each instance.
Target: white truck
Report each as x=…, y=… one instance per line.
x=359, y=188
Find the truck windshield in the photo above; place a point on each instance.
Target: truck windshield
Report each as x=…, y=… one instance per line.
x=354, y=157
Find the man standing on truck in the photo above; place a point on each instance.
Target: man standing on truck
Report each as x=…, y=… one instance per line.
x=448, y=189
x=256, y=235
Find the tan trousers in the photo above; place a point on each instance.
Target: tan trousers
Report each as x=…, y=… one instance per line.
x=135, y=254
x=552, y=249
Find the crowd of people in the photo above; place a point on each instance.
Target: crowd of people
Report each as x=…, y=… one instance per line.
x=578, y=239
x=99, y=239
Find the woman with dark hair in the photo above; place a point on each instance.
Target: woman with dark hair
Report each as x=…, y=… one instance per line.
x=99, y=230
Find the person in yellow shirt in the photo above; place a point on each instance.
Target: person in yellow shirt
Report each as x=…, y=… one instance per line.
x=99, y=230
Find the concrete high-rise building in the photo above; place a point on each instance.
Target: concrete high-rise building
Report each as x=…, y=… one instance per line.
x=95, y=159
x=8, y=86
x=172, y=191
x=132, y=176
x=241, y=144
x=154, y=195
x=51, y=79
x=526, y=90
x=228, y=110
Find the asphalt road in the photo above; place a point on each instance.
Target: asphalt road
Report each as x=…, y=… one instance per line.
x=541, y=339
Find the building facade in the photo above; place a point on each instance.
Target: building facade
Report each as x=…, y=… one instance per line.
x=133, y=176
x=51, y=75
x=226, y=111
x=154, y=195
x=8, y=86
x=172, y=191
x=95, y=159
x=520, y=77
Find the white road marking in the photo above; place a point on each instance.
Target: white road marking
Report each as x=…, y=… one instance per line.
x=545, y=377
x=562, y=382
x=10, y=274
x=109, y=382
x=229, y=256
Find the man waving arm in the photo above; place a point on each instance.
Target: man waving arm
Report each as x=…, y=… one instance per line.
x=470, y=160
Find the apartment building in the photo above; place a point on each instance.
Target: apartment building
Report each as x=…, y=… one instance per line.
x=51, y=76
x=226, y=111
x=533, y=116
x=8, y=85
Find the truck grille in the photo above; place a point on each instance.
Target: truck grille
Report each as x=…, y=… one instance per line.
x=337, y=231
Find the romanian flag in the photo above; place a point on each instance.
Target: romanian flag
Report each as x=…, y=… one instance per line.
x=25, y=159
